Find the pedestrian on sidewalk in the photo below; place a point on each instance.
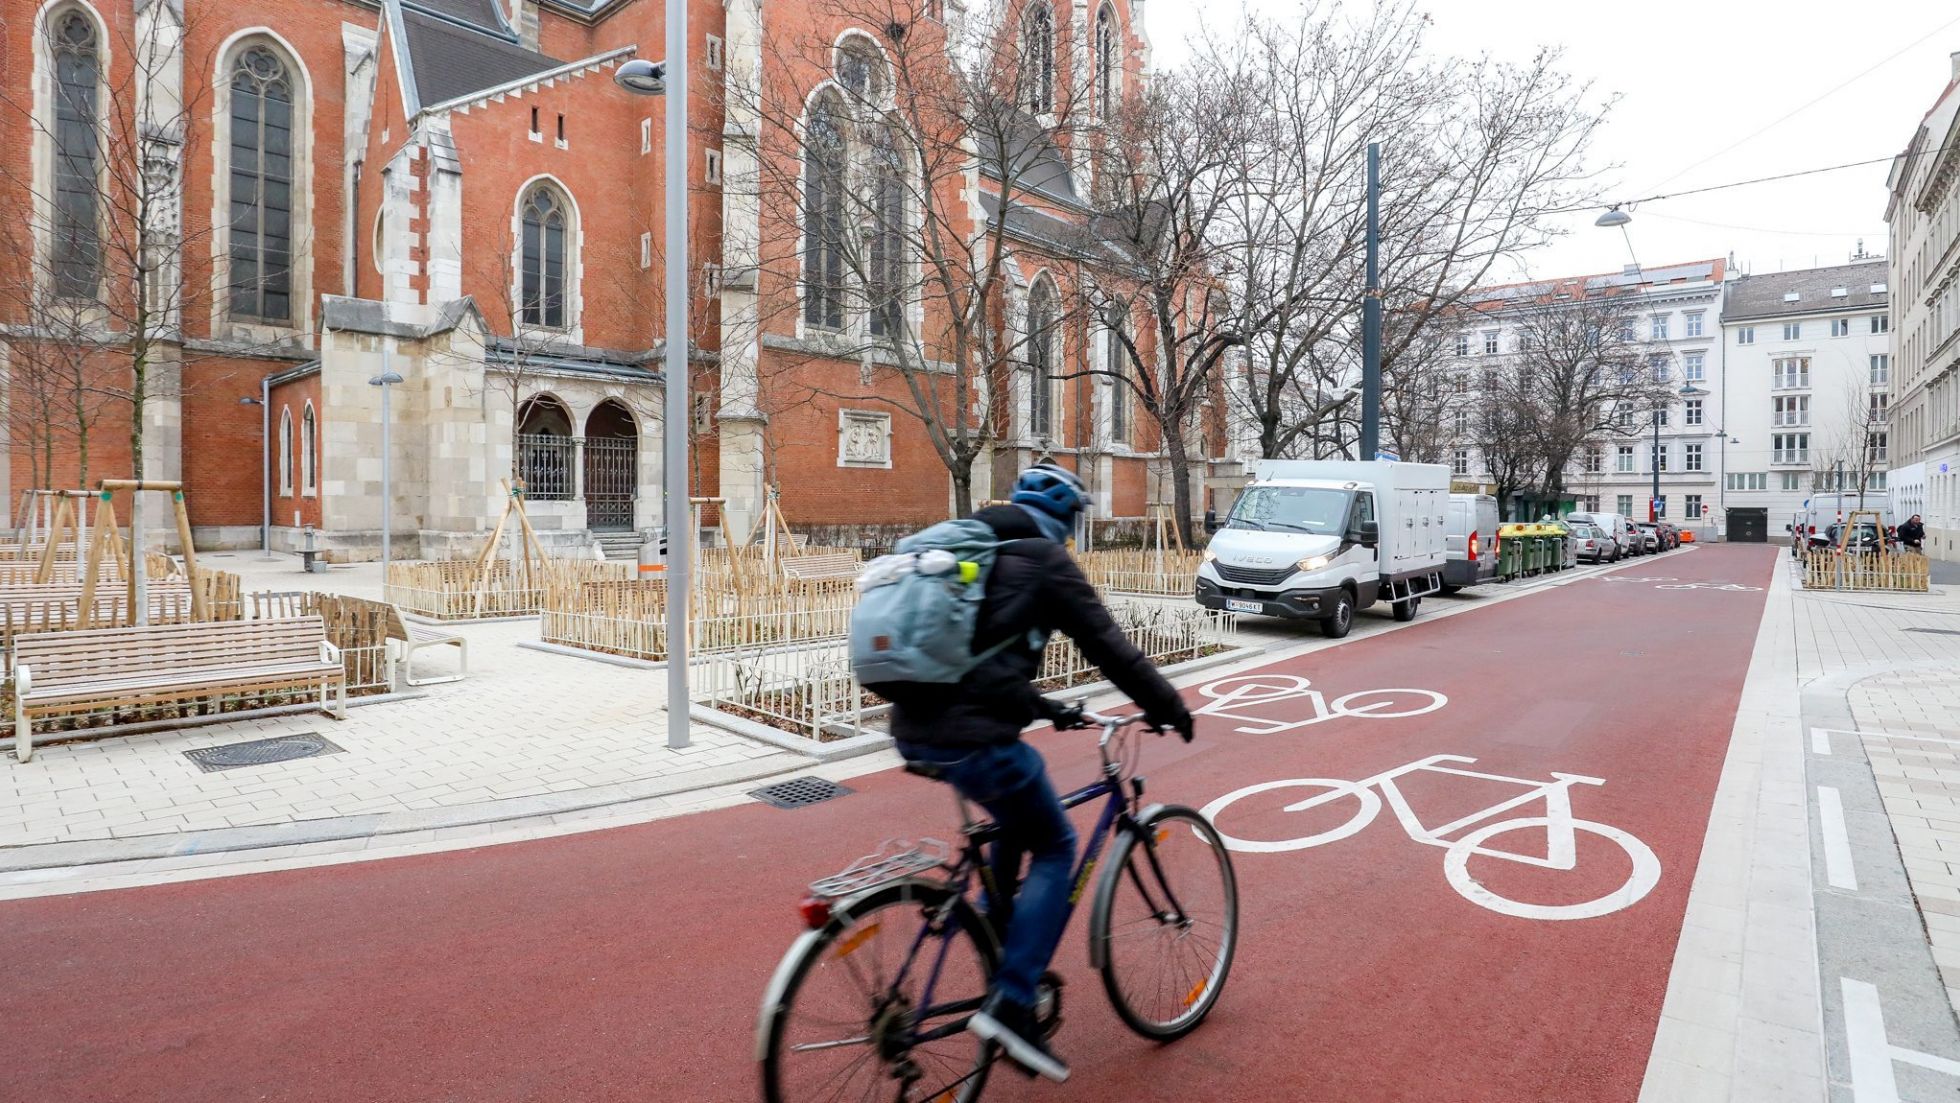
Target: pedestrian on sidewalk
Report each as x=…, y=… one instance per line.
x=1912, y=534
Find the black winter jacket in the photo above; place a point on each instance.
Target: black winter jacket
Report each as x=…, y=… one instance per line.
x=1034, y=584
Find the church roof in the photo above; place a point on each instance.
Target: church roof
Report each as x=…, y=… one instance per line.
x=1033, y=159
x=451, y=59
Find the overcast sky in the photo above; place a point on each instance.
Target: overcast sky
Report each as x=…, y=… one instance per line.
x=1694, y=77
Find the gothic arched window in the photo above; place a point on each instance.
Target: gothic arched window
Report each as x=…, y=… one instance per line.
x=824, y=160
x=262, y=125
x=1041, y=359
x=1038, y=58
x=1106, y=61
x=309, y=455
x=286, y=452
x=887, y=261
x=544, y=259
x=76, y=257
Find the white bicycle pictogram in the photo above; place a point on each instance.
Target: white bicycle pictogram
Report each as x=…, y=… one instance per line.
x=1559, y=826
x=1665, y=582
x=1230, y=696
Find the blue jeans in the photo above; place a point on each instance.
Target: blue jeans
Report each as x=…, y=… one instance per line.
x=1011, y=782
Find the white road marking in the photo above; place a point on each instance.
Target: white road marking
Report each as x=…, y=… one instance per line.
x=1872, y=1080
x=1820, y=741
x=1837, y=844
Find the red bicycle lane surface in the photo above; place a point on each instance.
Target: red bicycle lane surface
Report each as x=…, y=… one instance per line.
x=627, y=964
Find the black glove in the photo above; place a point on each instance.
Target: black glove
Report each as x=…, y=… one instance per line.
x=1065, y=716
x=1182, y=723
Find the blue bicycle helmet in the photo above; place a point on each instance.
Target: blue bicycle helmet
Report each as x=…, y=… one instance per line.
x=1052, y=489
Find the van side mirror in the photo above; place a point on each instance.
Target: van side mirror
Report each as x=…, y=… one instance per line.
x=1789, y=528
x=1367, y=533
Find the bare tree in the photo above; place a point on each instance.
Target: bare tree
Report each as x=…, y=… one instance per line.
x=884, y=170
x=1851, y=459
x=98, y=292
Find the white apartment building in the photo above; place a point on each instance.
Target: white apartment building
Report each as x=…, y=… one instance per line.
x=1679, y=314
x=1805, y=381
x=1923, y=211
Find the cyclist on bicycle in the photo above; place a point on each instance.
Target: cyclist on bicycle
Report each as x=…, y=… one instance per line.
x=972, y=732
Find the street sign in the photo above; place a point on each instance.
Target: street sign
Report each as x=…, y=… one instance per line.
x=1385, y=455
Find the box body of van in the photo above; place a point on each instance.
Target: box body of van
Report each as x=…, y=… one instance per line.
x=1469, y=541
x=1320, y=539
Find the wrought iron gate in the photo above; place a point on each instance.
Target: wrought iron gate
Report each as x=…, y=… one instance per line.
x=612, y=481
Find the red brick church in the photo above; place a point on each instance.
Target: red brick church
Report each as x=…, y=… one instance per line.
x=225, y=219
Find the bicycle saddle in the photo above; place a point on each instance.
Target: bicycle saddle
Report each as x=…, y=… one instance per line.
x=925, y=770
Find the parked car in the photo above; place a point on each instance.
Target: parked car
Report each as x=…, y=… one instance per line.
x=1865, y=539
x=1591, y=544
x=1669, y=532
x=1651, y=541
x=1614, y=525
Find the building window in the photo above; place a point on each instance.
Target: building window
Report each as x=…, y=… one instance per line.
x=1659, y=366
x=886, y=262
x=1038, y=59
x=76, y=257
x=823, y=216
x=560, y=136
x=1691, y=412
x=1623, y=505
x=712, y=159
x=309, y=443
x=1748, y=480
x=1119, y=389
x=1789, y=447
x=1041, y=360
x=1461, y=383
x=1463, y=344
x=261, y=224
x=1106, y=62
x=1593, y=460
x=1792, y=331
x=536, y=132
x=1693, y=325
x=1460, y=462
x=646, y=250
x=1789, y=480
x=1691, y=507
x=861, y=70
x=1623, y=459
x=1876, y=450
x=1660, y=417
x=1490, y=342
x=1881, y=323
x=1746, y=335
x=712, y=54
x=546, y=456
x=1691, y=457
x=1790, y=410
x=1658, y=454
x=1694, y=367
x=646, y=135
x=1879, y=404
x=1881, y=369
x=1459, y=422
x=286, y=452
x=1658, y=331
x=1626, y=329
x=1790, y=374
x=1840, y=327
x=543, y=259
x=864, y=438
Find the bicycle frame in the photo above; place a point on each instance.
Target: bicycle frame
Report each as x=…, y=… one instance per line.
x=1118, y=812
x=1561, y=847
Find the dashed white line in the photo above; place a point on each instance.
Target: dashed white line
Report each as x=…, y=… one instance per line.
x=1872, y=1080
x=1837, y=844
x=1820, y=741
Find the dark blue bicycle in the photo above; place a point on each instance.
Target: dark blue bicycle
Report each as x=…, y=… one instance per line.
x=872, y=1002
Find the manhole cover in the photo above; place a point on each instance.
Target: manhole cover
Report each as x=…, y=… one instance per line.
x=799, y=792
x=260, y=752
x=1935, y=631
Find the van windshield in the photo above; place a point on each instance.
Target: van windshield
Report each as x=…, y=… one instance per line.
x=1291, y=509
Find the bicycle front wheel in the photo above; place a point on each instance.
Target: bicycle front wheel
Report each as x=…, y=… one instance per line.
x=1165, y=922
x=874, y=1005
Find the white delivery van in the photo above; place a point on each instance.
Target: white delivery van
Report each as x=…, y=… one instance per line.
x=1813, y=525
x=1470, y=541
x=1320, y=539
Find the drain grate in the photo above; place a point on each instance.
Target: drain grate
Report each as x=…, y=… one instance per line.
x=1935, y=631
x=261, y=752
x=799, y=792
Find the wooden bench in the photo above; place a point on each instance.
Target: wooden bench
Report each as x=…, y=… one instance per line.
x=821, y=567
x=66, y=673
x=414, y=636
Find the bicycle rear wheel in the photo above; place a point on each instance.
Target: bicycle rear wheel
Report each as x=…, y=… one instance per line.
x=839, y=1023
x=1165, y=922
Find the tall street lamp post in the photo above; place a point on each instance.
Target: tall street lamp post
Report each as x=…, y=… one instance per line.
x=669, y=78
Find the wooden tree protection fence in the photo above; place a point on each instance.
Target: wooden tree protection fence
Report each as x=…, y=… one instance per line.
x=1833, y=569
x=104, y=537
x=628, y=618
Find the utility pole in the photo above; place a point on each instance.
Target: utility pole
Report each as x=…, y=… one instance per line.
x=1371, y=316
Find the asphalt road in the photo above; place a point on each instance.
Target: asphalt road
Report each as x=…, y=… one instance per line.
x=627, y=964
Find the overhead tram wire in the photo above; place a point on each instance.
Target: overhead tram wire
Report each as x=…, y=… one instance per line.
x=1808, y=104
x=1745, y=183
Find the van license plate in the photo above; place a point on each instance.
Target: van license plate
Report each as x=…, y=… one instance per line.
x=1234, y=605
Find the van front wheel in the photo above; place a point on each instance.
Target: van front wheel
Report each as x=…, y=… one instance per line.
x=1406, y=610
x=1337, y=624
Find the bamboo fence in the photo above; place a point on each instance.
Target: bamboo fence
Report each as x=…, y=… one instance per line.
x=629, y=618
x=1830, y=569
x=1162, y=572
